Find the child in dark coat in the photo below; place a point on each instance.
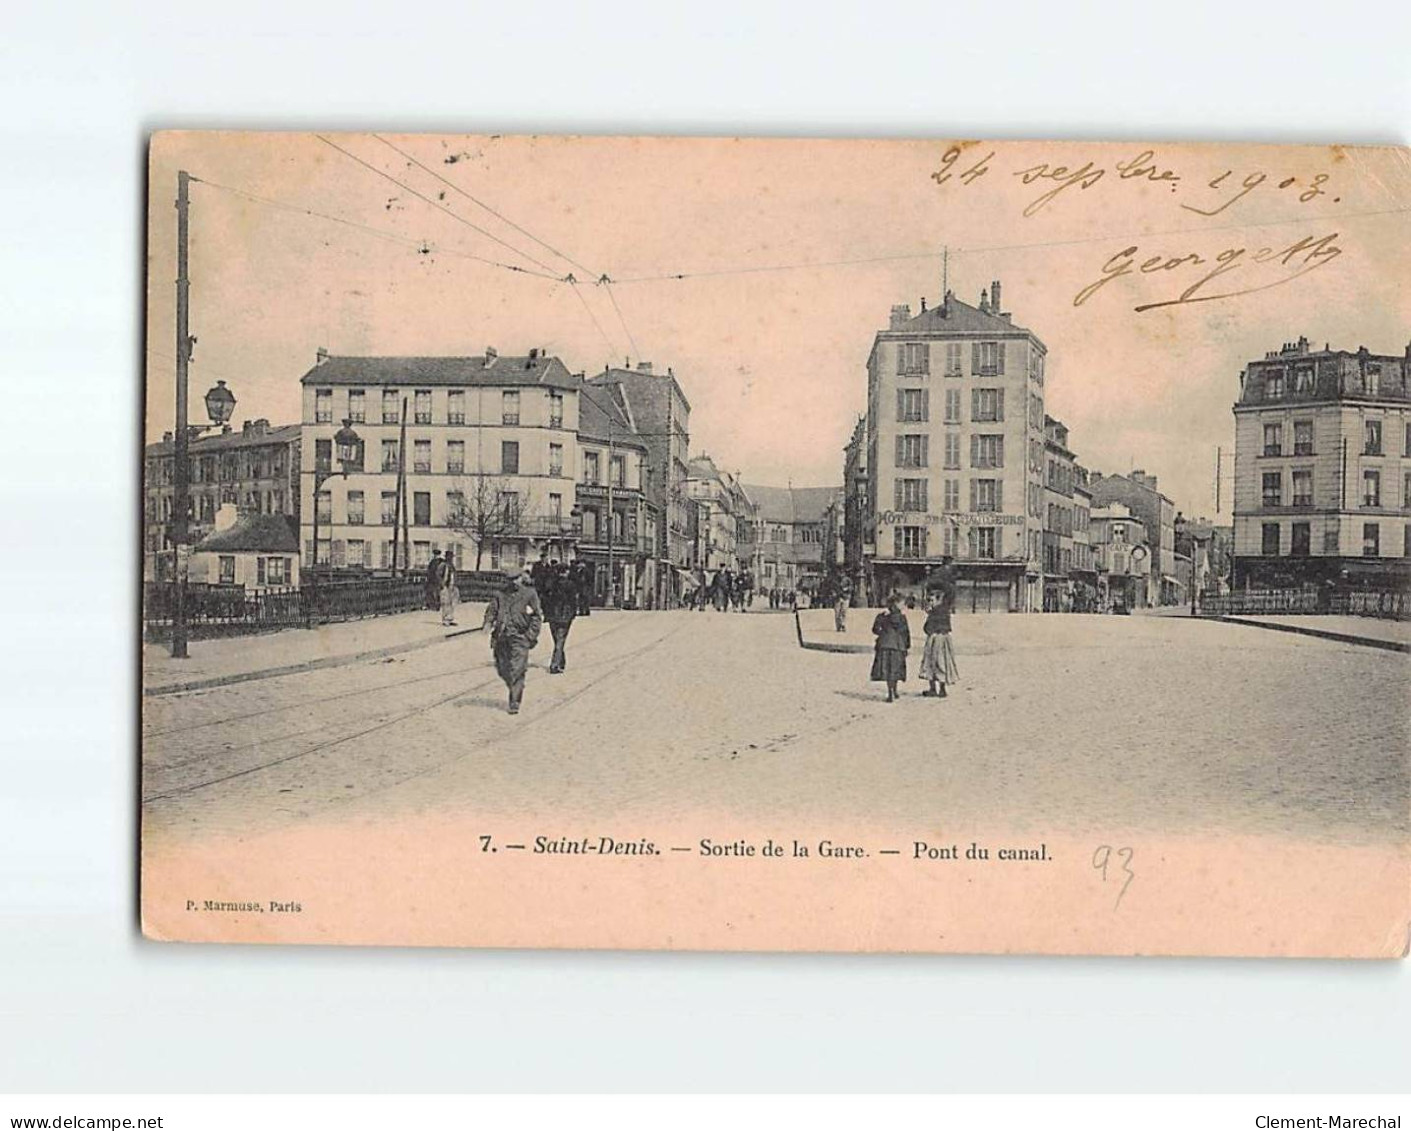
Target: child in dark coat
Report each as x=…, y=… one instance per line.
x=893, y=642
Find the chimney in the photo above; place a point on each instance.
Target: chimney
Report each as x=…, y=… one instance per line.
x=945, y=303
x=167, y=436
x=491, y=353
x=900, y=316
x=644, y=367
x=984, y=301
x=995, y=307
x=320, y=356
x=923, y=304
x=226, y=516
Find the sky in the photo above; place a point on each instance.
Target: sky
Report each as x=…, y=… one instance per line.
x=770, y=329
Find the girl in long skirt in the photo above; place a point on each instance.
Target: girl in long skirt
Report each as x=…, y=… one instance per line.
x=938, y=656
x=893, y=641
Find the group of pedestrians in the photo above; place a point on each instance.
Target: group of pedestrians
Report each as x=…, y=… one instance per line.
x=442, y=587
x=893, y=641
x=725, y=591
x=552, y=592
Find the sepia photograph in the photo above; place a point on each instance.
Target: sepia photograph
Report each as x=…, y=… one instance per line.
x=937, y=545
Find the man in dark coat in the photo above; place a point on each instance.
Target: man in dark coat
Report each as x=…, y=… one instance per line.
x=513, y=618
x=433, y=580
x=560, y=607
x=582, y=574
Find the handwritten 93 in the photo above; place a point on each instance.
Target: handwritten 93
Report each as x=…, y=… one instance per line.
x=1208, y=274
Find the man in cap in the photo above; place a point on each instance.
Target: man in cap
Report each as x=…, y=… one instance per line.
x=513, y=619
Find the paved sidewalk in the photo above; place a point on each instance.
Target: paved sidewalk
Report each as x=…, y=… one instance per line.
x=235, y=659
x=1373, y=632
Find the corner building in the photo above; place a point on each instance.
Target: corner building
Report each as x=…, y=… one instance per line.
x=956, y=454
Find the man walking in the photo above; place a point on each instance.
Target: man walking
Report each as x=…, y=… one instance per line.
x=433, y=581
x=840, y=605
x=560, y=607
x=450, y=591
x=513, y=618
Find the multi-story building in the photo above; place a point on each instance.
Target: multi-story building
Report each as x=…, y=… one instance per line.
x=1084, y=571
x=955, y=453
x=857, y=533
x=1123, y=557
x=1323, y=468
x=1059, y=507
x=790, y=527
x=256, y=469
x=491, y=462
x=619, y=534
x=1139, y=492
x=725, y=510
x=657, y=406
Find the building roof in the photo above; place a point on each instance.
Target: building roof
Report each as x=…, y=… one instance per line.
x=230, y=441
x=600, y=413
x=255, y=533
x=792, y=504
x=486, y=370
x=639, y=376
x=703, y=467
x=956, y=317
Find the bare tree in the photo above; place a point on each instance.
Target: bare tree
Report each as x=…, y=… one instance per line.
x=487, y=507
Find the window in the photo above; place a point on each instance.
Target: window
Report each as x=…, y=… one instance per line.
x=555, y=459
x=1374, y=380
x=952, y=449
x=208, y=508
x=953, y=363
x=277, y=571
x=911, y=451
x=455, y=406
x=323, y=553
x=1408, y=440
x=357, y=553
x=1406, y=493
x=421, y=554
x=1372, y=438
x=389, y=508
x=985, y=494
x=421, y=455
x=323, y=406
x=506, y=555
x=1371, y=488
x=1273, y=384
x=1119, y=532
x=952, y=406
x=987, y=404
x=357, y=408
x=1269, y=540
x=509, y=457
x=421, y=508
x=909, y=541
x=324, y=506
x=910, y=495
x=391, y=408
x=1273, y=493
x=914, y=358
x=555, y=410
x=509, y=406
x=355, y=508
x=617, y=468
x=987, y=358
x=1302, y=540
x=1330, y=540
x=590, y=467
x=987, y=451
x=555, y=505
x=421, y=406
x=1303, y=487
x=985, y=541
x=509, y=507
x=1273, y=439
x=389, y=455
x=952, y=495
x=1303, y=437
x=1303, y=379
x=455, y=457
x=323, y=455
x=913, y=405
x=227, y=569
x=455, y=505
x=1371, y=540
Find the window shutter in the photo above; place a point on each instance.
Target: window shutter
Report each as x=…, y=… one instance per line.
x=974, y=357
x=926, y=404
x=925, y=505
x=999, y=451
x=260, y=571
x=901, y=404
x=925, y=450
x=901, y=451
x=338, y=553
x=999, y=403
x=897, y=542
x=926, y=358
x=974, y=493
x=901, y=357
x=974, y=404
x=999, y=494
x=974, y=453
x=999, y=542
x=924, y=539
x=1000, y=364
x=971, y=538
x=897, y=500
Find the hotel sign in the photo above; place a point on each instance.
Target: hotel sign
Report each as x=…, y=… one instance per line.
x=961, y=518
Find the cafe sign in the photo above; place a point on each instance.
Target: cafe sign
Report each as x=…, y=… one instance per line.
x=962, y=518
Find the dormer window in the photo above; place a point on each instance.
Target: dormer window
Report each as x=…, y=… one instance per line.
x=1273, y=384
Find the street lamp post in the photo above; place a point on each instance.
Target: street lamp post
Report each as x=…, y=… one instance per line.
x=348, y=445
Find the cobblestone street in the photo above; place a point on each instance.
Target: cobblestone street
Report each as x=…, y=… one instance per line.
x=1058, y=722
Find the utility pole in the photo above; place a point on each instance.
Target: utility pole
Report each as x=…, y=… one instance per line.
x=612, y=584
x=402, y=493
x=180, y=528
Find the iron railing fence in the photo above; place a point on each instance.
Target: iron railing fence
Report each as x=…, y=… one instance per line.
x=1388, y=603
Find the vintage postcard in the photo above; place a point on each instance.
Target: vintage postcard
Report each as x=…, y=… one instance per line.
x=760, y=544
